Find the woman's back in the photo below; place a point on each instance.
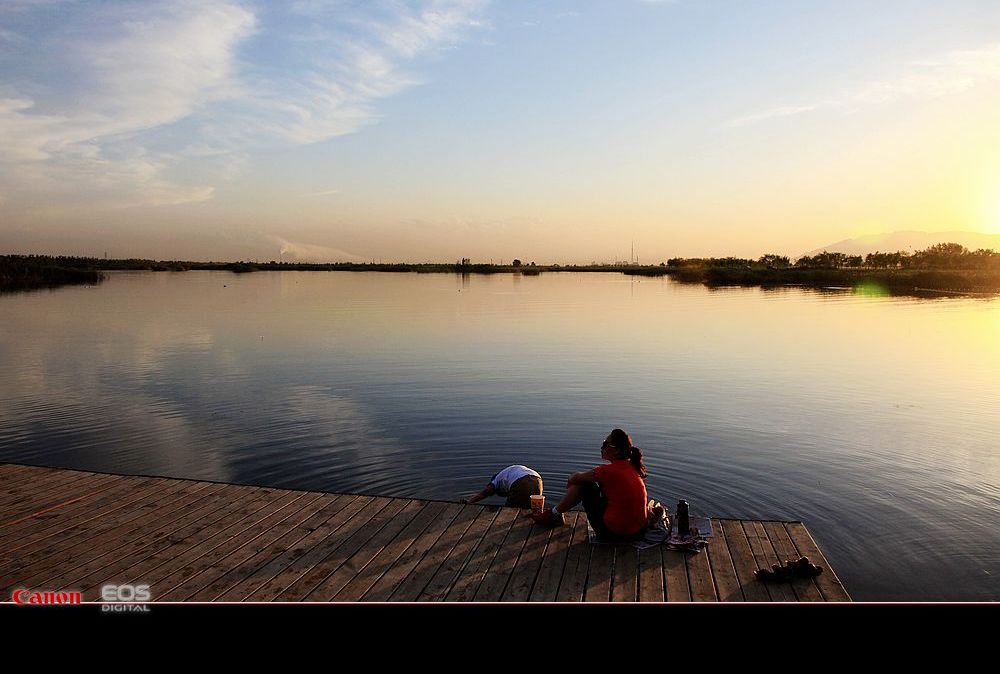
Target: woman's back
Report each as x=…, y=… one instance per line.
x=626, y=493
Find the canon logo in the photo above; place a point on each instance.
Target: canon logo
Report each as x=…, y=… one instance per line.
x=24, y=596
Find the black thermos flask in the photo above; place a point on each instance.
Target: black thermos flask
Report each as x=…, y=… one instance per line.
x=683, y=524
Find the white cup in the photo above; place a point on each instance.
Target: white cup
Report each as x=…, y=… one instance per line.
x=537, y=503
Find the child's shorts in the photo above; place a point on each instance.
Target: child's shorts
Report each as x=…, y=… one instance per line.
x=522, y=490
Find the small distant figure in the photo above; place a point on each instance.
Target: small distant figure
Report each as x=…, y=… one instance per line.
x=518, y=483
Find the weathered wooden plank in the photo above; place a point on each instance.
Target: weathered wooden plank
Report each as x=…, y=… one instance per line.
x=118, y=528
x=336, y=569
x=357, y=562
x=58, y=488
x=52, y=522
x=445, y=575
x=30, y=469
x=184, y=583
x=390, y=554
x=743, y=561
x=805, y=588
x=675, y=575
x=22, y=478
x=13, y=471
x=15, y=478
x=161, y=492
x=405, y=568
x=123, y=543
x=188, y=539
x=573, y=583
x=522, y=578
x=239, y=582
x=232, y=568
x=328, y=537
x=700, y=577
x=182, y=550
x=764, y=557
x=827, y=582
x=44, y=481
x=650, y=575
x=500, y=570
x=467, y=583
x=360, y=529
x=179, y=579
x=12, y=484
x=277, y=555
x=104, y=567
x=62, y=533
x=727, y=585
x=625, y=582
x=784, y=591
x=598, y=588
x=12, y=468
x=550, y=572
x=28, y=485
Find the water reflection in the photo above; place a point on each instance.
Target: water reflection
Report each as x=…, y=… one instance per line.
x=871, y=418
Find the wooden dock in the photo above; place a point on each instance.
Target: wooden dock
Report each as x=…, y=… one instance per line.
x=203, y=541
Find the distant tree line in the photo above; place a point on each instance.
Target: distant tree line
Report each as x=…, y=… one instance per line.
x=938, y=256
x=101, y=264
x=24, y=272
x=948, y=266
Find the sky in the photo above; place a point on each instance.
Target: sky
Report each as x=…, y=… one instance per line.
x=432, y=130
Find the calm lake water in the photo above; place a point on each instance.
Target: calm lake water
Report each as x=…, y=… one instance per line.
x=875, y=420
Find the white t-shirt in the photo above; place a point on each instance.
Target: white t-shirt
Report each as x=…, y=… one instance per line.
x=505, y=478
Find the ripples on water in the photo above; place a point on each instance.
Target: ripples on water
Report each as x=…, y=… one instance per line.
x=874, y=420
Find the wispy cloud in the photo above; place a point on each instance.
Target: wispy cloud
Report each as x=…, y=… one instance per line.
x=147, y=87
x=25, y=5
x=779, y=111
x=145, y=69
x=150, y=73
x=307, y=252
x=951, y=73
x=412, y=32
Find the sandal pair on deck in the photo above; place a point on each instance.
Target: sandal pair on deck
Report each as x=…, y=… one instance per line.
x=799, y=568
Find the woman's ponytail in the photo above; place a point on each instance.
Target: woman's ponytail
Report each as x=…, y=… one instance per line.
x=626, y=450
x=635, y=457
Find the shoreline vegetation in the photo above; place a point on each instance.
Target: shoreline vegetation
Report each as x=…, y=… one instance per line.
x=945, y=268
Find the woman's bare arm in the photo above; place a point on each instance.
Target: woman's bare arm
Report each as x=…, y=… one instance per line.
x=580, y=478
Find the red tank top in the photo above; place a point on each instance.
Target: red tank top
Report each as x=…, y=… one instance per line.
x=626, y=513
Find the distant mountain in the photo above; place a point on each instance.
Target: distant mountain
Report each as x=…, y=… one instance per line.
x=909, y=241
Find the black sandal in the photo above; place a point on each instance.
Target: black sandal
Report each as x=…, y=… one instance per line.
x=803, y=568
x=775, y=574
x=799, y=568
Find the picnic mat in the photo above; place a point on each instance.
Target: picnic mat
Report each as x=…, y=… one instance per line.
x=662, y=532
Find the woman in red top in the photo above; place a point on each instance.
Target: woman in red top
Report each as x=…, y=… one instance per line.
x=614, y=495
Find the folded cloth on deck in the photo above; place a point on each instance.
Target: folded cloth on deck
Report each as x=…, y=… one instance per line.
x=695, y=541
x=658, y=532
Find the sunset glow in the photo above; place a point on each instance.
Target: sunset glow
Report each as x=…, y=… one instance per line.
x=439, y=129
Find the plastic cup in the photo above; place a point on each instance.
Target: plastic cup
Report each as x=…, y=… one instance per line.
x=537, y=503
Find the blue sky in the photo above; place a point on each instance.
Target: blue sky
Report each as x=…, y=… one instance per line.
x=557, y=131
